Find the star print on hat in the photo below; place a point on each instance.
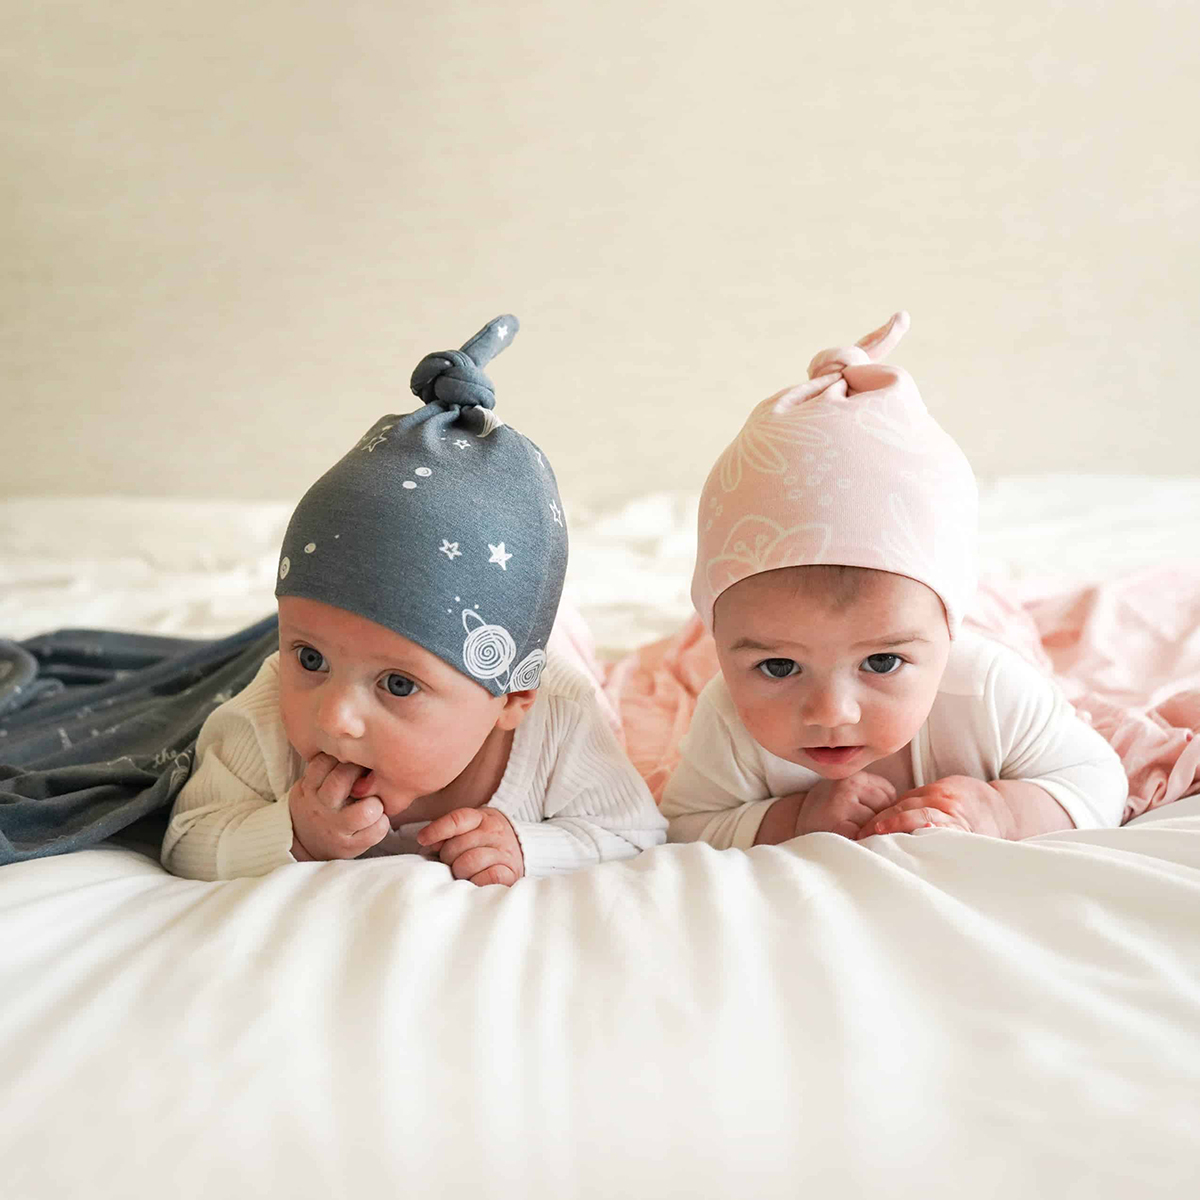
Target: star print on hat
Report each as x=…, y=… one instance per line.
x=444, y=525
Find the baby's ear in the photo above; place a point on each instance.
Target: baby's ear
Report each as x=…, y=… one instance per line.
x=516, y=705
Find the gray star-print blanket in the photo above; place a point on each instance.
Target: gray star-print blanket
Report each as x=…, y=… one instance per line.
x=98, y=729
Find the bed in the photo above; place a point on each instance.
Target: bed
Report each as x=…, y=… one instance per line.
x=907, y=1017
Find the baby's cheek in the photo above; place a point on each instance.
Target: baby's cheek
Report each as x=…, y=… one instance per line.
x=899, y=724
x=773, y=726
x=427, y=764
x=298, y=731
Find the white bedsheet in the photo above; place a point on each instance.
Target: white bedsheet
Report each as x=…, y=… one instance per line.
x=926, y=1016
x=939, y=1015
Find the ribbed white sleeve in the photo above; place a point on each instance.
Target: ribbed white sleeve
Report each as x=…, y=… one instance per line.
x=231, y=818
x=573, y=796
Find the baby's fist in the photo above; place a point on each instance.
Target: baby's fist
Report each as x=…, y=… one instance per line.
x=842, y=805
x=478, y=844
x=326, y=823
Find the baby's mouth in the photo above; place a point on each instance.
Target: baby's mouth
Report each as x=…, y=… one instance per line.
x=831, y=755
x=364, y=785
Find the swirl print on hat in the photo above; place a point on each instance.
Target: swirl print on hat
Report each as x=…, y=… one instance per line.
x=528, y=672
x=489, y=650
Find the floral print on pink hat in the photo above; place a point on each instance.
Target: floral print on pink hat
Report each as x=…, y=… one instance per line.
x=848, y=468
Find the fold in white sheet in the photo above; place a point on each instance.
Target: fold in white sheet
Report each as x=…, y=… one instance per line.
x=911, y=1017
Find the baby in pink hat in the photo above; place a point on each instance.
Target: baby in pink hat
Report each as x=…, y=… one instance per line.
x=836, y=559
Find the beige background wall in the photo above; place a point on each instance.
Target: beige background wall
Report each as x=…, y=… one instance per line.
x=232, y=228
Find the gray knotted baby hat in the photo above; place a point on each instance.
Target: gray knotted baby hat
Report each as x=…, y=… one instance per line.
x=444, y=525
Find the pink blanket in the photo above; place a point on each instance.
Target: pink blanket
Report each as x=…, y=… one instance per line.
x=1126, y=652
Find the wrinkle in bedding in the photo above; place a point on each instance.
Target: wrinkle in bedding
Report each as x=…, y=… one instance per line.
x=917, y=1016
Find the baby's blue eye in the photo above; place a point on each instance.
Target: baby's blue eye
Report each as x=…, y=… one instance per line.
x=778, y=668
x=400, y=685
x=882, y=664
x=310, y=659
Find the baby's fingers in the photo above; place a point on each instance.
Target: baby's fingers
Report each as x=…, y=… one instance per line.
x=334, y=788
x=317, y=769
x=902, y=820
x=371, y=835
x=472, y=862
x=362, y=814
x=846, y=829
x=878, y=822
x=877, y=793
x=889, y=813
x=449, y=850
x=461, y=820
x=497, y=873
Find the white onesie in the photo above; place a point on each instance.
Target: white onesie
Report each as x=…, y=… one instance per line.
x=570, y=792
x=994, y=717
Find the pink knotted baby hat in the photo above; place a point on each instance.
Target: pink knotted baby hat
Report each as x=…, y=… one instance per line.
x=848, y=468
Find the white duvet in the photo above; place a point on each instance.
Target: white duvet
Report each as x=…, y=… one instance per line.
x=940, y=1015
x=928, y=1016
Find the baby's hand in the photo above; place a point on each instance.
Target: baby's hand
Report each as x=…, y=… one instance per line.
x=956, y=802
x=478, y=844
x=324, y=826
x=842, y=805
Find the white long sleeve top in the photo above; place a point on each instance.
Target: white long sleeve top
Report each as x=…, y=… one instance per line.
x=994, y=717
x=572, y=795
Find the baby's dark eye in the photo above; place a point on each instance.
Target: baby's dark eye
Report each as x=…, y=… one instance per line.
x=778, y=668
x=882, y=664
x=310, y=659
x=399, y=685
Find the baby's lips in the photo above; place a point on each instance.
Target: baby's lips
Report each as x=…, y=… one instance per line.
x=363, y=784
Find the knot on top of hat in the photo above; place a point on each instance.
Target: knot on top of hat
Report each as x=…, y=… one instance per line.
x=450, y=377
x=873, y=347
x=834, y=362
x=834, y=374
x=455, y=377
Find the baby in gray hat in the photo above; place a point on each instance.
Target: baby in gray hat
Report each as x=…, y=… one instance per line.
x=413, y=706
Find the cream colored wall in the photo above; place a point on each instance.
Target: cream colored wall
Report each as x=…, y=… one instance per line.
x=234, y=228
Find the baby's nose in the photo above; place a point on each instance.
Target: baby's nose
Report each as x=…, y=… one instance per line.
x=339, y=714
x=831, y=706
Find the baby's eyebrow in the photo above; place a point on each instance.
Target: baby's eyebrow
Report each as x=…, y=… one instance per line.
x=296, y=631
x=746, y=643
x=892, y=639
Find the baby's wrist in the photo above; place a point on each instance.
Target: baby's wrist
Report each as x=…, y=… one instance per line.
x=299, y=853
x=779, y=821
